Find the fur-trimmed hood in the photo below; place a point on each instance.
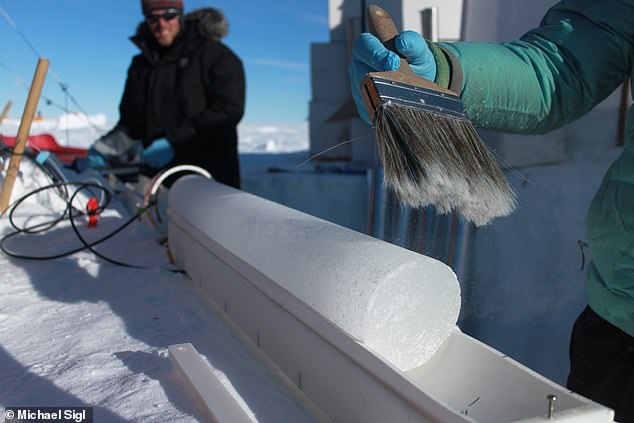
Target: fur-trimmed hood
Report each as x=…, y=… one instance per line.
x=208, y=22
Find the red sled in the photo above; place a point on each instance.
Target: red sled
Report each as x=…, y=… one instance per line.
x=45, y=141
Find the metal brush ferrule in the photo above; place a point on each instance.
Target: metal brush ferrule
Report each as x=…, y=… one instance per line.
x=378, y=91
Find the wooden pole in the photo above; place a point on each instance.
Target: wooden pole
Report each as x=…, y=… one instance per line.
x=23, y=133
x=5, y=112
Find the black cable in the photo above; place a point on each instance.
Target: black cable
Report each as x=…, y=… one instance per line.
x=113, y=233
x=67, y=211
x=67, y=214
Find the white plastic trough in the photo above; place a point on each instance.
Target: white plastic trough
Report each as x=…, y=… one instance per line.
x=321, y=302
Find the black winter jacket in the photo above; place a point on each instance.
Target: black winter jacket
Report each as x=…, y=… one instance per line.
x=192, y=93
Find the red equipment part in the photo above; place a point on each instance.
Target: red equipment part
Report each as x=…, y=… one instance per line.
x=91, y=208
x=45, y=141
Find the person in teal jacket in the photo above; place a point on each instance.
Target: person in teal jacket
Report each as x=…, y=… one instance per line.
x=581, y=52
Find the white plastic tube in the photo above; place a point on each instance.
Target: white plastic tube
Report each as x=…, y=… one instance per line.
x=399, y=304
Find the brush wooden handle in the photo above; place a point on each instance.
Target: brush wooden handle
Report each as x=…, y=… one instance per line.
x=382, y=27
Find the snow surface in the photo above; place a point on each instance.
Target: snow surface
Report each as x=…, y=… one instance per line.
x=79, y=130
x=79, y=331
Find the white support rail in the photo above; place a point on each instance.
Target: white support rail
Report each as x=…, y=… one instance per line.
x=218, y=402
x=295, y=301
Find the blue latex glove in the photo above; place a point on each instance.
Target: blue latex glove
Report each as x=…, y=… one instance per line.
x=369, y=55
x=158, y=154
x=95, y=159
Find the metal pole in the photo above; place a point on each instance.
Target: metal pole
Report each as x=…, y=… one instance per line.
x=429, y=17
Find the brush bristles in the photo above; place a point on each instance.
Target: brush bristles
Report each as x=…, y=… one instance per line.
x=431, y=159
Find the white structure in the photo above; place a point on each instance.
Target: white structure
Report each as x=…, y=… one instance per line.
x=305, y=291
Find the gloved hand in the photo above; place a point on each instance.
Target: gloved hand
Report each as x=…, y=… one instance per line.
x=95, y=159
x=158, y=154
x=369, y=55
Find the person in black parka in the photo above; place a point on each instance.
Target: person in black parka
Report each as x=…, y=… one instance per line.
x=185, y=92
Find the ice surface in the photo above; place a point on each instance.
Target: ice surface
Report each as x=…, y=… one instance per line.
x=400, y=304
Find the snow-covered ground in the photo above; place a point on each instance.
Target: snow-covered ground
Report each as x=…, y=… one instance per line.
x=281, y=138
x=78, y=130
x=78, y=331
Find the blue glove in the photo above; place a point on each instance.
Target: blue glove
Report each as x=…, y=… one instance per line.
x=158, y=154
x=369, y=55
x=95, y=159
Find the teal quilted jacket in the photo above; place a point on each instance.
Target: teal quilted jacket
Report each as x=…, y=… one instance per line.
x=581, y=52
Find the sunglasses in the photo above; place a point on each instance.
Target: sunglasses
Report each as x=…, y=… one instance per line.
x=166, y=16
